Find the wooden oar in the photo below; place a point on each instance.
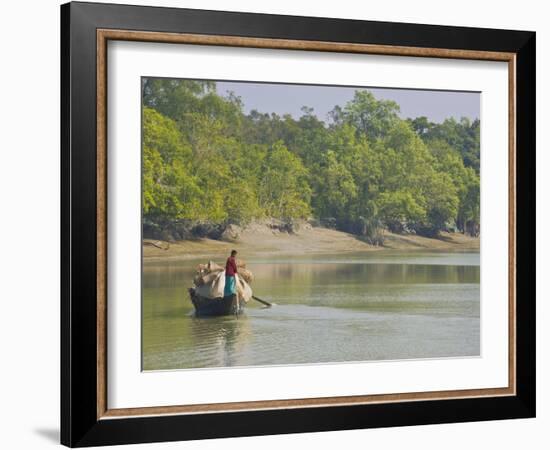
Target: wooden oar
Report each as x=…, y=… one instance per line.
x=262, y=301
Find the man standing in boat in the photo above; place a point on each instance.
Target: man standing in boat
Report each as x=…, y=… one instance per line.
x=230, y=272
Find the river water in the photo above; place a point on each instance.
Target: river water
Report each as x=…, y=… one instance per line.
x=329, y=308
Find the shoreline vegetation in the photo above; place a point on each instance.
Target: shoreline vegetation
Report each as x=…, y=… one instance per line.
x=260, y=239
x=214, y=176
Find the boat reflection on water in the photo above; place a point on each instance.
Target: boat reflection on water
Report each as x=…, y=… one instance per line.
x=220, y=341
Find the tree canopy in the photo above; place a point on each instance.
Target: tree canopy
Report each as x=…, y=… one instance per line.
x=362, y=170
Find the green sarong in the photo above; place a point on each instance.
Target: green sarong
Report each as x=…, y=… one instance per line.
x=230, y=286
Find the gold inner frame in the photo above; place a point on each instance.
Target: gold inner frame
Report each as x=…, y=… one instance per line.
x=104, y=35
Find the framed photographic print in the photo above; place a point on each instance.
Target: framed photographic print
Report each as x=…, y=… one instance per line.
x=276, y=224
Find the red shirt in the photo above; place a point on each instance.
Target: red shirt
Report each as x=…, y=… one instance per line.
x=230, y=267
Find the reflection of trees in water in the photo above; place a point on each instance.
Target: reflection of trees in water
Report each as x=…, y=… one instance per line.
x=164, y=275
x=369, y=273
x=220, y=341
x=375, y=286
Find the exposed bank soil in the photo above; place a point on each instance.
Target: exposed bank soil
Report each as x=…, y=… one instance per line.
x=263, y=241
x=446, y=241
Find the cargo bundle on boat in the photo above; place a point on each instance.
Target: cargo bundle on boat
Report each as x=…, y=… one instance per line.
x=207, y=293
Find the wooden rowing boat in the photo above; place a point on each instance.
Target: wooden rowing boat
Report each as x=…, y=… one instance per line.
x=222, y=306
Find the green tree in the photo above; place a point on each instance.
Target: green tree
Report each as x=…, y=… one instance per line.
x=468, y=215
x=204, y=160
x=461, y=135
x=368, y=115
x=284, y=190
x=169, y=189
x=398, y=208
x=441, y=204
x=173, y=97
x=336, y=189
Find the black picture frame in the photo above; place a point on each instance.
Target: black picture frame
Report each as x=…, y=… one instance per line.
x=80, y=425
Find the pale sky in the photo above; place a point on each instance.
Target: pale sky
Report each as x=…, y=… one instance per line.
x=289, y=98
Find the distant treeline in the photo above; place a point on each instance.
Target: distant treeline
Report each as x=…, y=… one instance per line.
x=364, y=169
